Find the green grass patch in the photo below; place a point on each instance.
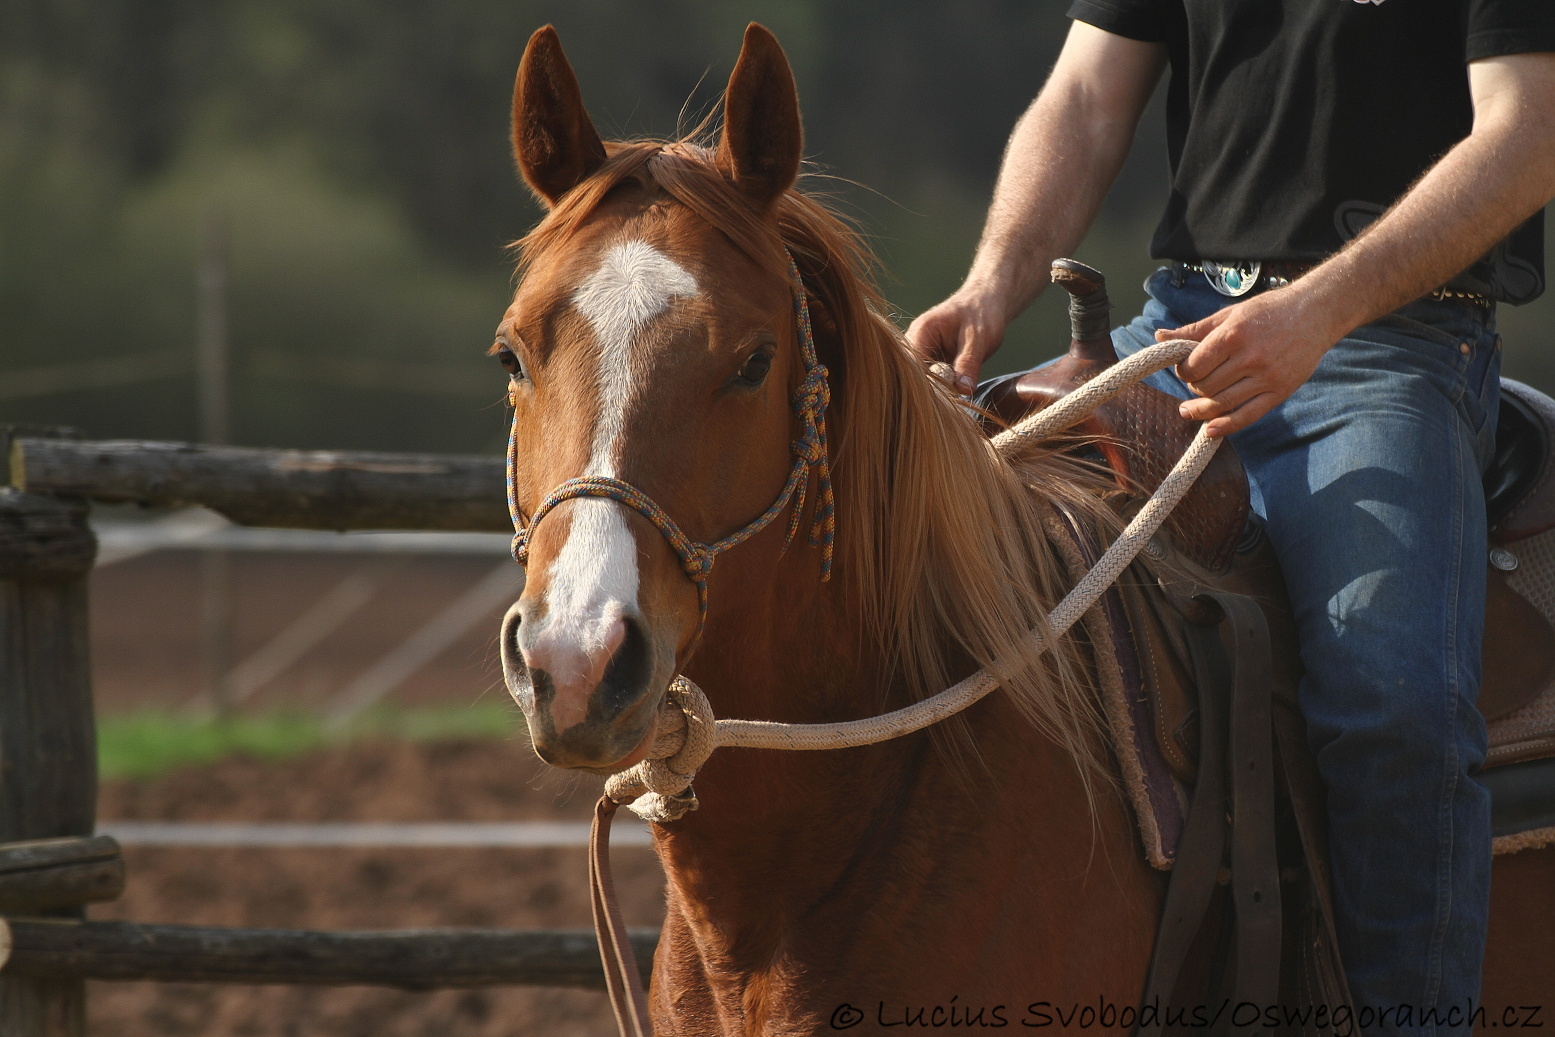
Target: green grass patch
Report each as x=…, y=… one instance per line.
x=148, y=742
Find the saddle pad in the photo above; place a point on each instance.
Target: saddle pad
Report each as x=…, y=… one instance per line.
x=1159, y=800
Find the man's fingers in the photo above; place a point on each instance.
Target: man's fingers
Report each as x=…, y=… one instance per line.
x=954, y=339
x=1195, y=331
x=950, y=376
x=957, y=366
x=1210, y=353
x=1233, y=369
x=925, y=336
x=1233, y=411
x=1213, y=405
x=934, y=335
x=1244, y=415
x=1187, y=331
x=968, y=361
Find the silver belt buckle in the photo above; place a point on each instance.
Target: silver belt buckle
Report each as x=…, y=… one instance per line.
x=1233, y=279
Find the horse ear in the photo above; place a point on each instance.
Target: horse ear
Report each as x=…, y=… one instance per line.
x=762, y=139
x=554, y=142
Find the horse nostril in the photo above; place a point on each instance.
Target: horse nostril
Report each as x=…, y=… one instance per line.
x=574, y=678
x=510, y=646
x=631, y=665
x=541, y=686
x=514, y=670
x=568, y=668
x=614, y=634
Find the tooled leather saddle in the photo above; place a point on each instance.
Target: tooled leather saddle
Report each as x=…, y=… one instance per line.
x=1195, y=654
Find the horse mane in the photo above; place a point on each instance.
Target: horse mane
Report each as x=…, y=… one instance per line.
x=940, y=543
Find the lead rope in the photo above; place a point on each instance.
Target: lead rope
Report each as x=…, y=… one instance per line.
x=659, y=788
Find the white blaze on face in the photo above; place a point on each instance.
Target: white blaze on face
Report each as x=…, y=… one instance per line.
x=633, y=285
x=594, y=576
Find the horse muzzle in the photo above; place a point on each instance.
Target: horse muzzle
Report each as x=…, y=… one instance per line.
x=590, y=701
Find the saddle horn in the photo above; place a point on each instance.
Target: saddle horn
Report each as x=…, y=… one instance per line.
x=1090, y=311
x=1090, y=347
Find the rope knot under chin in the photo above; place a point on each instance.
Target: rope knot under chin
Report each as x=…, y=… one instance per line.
x=659, y=788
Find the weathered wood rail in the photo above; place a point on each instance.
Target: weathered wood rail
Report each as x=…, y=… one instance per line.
x=302, y=489
x=410, y=959
x=44, y=874
x=50, y=862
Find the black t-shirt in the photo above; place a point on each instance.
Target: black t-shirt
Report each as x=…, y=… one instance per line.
x=1291, y=124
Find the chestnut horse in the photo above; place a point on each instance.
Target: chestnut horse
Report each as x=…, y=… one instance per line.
x=972, y=875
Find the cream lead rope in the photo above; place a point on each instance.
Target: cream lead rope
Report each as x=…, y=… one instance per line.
x=657, y=789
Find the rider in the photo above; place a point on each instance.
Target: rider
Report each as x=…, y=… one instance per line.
x=1346, y=207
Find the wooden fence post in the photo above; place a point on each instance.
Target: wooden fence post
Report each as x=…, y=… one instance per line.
x=48, y=742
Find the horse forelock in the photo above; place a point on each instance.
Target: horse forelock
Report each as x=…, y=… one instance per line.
x=940, y=548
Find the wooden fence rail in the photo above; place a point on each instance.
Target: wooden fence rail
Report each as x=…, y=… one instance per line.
x=412, y=959
x=42, y=874
x=50, y=862
x=303, y=489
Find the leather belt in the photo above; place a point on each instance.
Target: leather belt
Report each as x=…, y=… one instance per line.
x=1243, y=277
x=1246, y=277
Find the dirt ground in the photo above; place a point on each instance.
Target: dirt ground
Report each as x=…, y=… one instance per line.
x=363, y=888
x=147, y=650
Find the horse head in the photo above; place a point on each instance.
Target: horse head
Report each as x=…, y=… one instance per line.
x=649, y=352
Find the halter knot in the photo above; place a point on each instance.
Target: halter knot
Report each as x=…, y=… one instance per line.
x=698, y=562
x=814, y=394
x=808, y=449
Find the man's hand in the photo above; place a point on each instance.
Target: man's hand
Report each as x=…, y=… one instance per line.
x=1250, y=357
x=960, y=333
x=1064, y=154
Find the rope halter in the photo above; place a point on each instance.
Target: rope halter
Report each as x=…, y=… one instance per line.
x=810, y=451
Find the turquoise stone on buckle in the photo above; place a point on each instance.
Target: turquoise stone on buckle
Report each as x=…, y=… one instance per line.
x=1232, y=279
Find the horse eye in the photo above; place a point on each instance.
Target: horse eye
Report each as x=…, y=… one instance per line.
x=756, y=368
x=511, y=364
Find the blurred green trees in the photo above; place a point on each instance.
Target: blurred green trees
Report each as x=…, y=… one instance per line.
x=358, y=154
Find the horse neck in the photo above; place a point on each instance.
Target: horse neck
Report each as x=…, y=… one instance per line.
x=786, y=826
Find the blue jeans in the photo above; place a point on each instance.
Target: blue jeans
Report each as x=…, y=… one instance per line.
x=1368, y=482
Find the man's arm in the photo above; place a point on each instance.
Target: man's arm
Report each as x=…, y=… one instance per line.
x=1064, y=154
x=1253, y=355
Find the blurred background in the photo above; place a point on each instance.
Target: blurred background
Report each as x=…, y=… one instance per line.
x=355, y=158
x=324, y=188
